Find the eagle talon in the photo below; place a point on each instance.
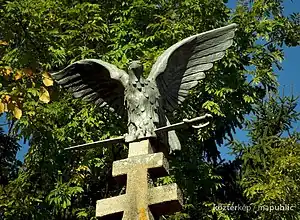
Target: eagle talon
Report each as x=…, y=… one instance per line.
x=129, y=138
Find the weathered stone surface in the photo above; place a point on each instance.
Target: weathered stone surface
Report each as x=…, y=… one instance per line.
x=108, y=206
x=141, y=202
x=140, y=148
x=165, y=199
x=156, y=163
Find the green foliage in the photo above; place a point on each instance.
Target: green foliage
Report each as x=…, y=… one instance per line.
x=270, y=170
x=9, y=165
x=61, y=196
x=45, y=35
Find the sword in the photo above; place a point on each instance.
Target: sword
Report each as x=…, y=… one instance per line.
x=121, y=139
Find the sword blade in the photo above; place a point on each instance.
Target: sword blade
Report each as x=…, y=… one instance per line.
x=97, y=143
x=184, y=124
x=171, y=127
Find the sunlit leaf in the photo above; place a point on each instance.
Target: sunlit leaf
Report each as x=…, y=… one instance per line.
x=6, y=71
x=2, y=107
x=7, y=98
x=18, y=75
x=17, y=112
x=44, y=95
x=4, y=43
x=47, y=80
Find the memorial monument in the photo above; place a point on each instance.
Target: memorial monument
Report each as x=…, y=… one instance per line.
x=150, y=135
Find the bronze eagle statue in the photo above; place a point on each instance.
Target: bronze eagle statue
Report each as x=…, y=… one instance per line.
x=146, y=101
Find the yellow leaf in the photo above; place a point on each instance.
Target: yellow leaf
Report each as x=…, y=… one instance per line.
x=4, y=43
x=2, y=107
x=82, y=167
x=17, y=112
x=8, y=70
x=7, y=98
x=47, y=80
x=18, y=75
x=44, y=95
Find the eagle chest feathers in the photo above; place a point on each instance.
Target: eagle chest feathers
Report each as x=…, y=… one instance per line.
x=142, y=103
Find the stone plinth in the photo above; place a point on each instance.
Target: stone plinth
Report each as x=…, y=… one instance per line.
x=140, y=202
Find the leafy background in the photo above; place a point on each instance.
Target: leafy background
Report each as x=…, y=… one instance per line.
x=287, y=78
x=55, y=184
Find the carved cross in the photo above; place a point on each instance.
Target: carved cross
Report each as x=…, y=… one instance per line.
x=141, y=202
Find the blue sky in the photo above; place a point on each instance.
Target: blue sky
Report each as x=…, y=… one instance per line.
x=289, y=78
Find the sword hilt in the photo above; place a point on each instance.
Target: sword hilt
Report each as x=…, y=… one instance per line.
x=197, y=119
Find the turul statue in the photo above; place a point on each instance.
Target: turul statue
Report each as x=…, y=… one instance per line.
x=147, y=100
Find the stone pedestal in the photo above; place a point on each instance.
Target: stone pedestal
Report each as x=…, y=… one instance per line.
x=141, y=202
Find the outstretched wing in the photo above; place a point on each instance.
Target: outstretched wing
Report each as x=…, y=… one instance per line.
x=96, y=81
x=182, y=65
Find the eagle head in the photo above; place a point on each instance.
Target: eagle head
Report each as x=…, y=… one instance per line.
x=135, y=68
